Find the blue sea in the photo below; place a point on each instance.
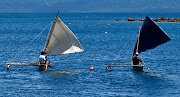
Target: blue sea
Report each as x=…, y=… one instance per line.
x=21, y=41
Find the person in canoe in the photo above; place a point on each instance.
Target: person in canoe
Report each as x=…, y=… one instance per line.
x=136, y=59
x=43, y=59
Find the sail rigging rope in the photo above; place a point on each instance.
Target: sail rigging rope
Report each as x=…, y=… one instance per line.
x=29, y=43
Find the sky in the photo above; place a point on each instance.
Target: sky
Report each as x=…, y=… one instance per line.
x=21, y=6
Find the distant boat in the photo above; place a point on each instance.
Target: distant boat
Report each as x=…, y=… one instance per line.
x=60, y=40
x=150, y=36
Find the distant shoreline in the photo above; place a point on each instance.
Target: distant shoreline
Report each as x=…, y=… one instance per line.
x=157, y=20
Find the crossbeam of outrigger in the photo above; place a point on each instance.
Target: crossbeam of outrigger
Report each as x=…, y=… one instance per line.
x=26, y=64
x=110, y=65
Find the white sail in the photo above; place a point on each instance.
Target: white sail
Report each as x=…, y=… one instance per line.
x=62, y=40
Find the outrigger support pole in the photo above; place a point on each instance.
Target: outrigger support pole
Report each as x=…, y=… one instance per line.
x=42, y=67
x=22, y=64
x=110, y=65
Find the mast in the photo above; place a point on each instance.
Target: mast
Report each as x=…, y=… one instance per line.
x=47, y=37
x=50, y=31
x=58, y=13
x=138, y=40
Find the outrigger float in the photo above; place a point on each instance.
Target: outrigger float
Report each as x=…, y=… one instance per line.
x=150, y=36
x=60, y=41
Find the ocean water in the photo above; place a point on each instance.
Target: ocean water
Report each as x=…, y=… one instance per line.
x=71, y=75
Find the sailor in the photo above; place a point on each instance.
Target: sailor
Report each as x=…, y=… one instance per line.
x=136, y=59
x=43, y=59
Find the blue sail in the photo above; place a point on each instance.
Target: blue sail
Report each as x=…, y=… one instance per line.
x=150, y=36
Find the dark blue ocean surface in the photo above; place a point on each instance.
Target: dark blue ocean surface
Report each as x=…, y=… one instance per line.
x=71, y=75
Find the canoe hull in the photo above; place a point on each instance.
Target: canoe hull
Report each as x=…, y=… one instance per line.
x=138, y=68
x=43, y=67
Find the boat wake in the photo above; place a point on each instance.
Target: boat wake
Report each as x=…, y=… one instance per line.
x=60, y=73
